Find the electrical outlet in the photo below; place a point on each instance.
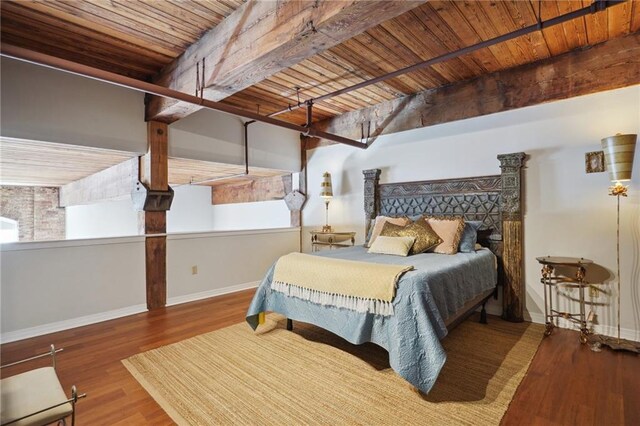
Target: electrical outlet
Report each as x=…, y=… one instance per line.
x=593, y=292
x=194, y=270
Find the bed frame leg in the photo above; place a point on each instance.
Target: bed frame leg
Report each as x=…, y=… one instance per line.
x=483, y=314
x=289, y=324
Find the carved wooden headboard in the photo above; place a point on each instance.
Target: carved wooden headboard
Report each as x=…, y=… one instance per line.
x=494, y=200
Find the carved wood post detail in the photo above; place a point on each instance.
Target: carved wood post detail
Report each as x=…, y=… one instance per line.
x=371, y=198
x=512, y=233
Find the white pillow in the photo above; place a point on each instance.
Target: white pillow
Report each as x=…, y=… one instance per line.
x=398, y=246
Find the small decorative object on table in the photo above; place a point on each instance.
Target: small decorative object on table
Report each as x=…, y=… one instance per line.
x=550, y=263
x=332, y=239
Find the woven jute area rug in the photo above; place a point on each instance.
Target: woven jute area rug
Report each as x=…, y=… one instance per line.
x=237, y=376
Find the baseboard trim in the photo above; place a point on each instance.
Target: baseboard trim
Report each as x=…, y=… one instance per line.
x=177, y=300
x=605, y=330
x=26, y=333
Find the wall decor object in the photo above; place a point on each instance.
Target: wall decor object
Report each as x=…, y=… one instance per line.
x=594, y=162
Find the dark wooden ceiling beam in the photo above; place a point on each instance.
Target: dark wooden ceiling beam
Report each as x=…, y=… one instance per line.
x=260, y=39
x=610, y=65
x=250, y=189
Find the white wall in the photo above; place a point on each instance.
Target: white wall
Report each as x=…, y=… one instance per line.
x=223, y=260
x=567, y=212
x=43, y=104
x=191, y=211
x=46, y=105
x=49, y=286
x=52, y=286
x=101, y=220
x=269, y=146
x=259, y=215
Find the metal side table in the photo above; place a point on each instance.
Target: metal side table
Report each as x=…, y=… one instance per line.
x=551, y=281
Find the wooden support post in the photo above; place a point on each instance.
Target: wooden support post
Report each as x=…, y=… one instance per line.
x=154, y=171
x=512, y=236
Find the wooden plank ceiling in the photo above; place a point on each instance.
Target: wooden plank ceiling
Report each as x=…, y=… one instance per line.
x=36, y=163
x=137, y=38
x=430, y=30
x=130, y=37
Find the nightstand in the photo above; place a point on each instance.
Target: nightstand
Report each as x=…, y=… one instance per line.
x=551, y=281
x=332, y=239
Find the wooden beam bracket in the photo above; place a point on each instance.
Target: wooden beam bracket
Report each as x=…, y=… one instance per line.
x=151, y=200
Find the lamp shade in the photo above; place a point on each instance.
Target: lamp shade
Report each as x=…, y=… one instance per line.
x=618, y=155
x=326, y=191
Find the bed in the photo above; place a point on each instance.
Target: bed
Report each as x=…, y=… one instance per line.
x=442, y=290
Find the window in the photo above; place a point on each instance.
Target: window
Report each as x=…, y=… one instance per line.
x=8, y=230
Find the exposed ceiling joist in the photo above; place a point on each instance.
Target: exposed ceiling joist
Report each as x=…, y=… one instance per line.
x=250, y=190
x=261, y=38
x=184, y=171
x=118, y=181
x=37, y=163
x=114, y=183
x=609, y=65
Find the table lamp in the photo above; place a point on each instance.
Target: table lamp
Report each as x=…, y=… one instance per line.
x=618, y=154
x=326, y=192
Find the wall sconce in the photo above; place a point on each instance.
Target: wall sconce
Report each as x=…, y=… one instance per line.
x=326, y=192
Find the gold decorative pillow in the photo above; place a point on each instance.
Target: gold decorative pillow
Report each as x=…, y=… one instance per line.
x=398, y=246
x=425, y=237
x=449, y=228
x=380, y=221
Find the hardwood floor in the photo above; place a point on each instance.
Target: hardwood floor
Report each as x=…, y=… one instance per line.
x=566, y=384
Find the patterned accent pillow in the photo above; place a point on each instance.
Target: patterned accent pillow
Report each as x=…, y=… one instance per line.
x=380, y=221
x=469, y=236
x=425, y=236
x=449, y=228
x=399, y=246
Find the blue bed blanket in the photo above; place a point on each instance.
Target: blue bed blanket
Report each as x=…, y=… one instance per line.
x=438, y=286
